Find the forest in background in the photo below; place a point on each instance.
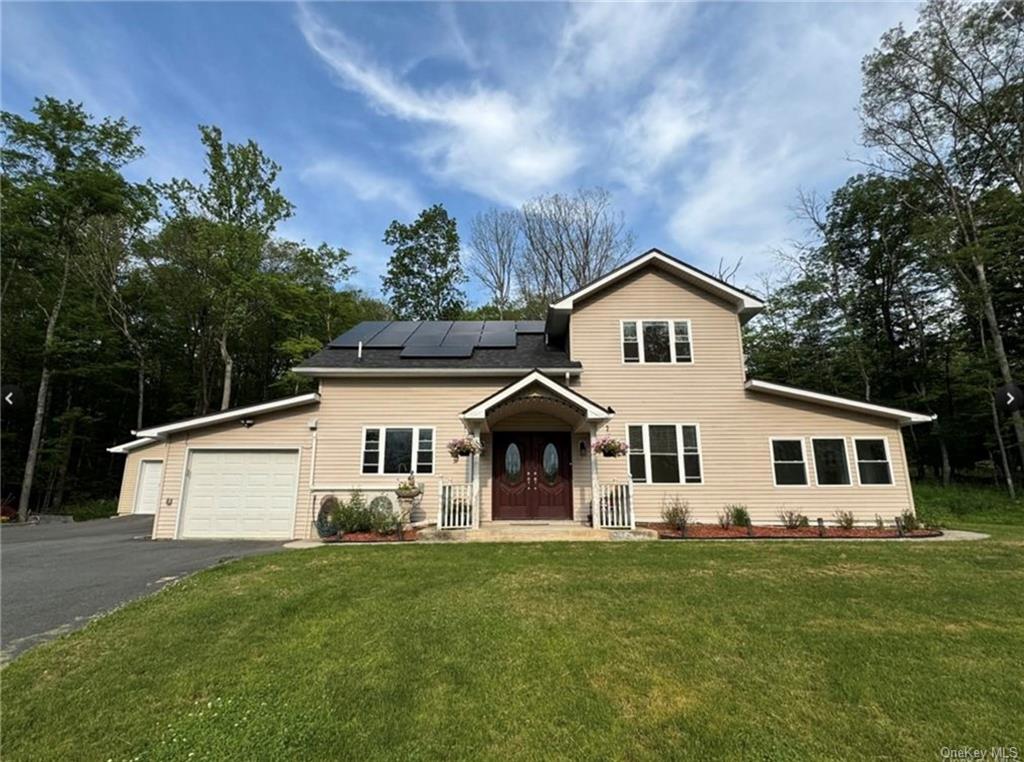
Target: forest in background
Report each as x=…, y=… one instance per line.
x=128, y=304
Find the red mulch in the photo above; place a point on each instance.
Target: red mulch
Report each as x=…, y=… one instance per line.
x=409, y=535
x=715, y=532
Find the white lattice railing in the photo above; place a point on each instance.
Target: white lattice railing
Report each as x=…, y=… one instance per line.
x=455, y=506
x=615, y=506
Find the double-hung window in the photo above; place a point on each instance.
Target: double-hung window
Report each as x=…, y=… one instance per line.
x=789, y=462
x=873, y=461
x=830, y=464
x=664, y=454
x=398, y=450
x=657, y=341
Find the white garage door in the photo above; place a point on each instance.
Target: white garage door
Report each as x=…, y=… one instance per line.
x=240, y=493
x=147, y=491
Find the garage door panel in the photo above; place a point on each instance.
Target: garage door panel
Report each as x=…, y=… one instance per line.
x=240, y=493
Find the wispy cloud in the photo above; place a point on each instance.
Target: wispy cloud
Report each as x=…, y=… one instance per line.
x=364, y=183
x=488, y=140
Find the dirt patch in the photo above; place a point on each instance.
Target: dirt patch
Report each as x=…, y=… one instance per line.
x=715, y=532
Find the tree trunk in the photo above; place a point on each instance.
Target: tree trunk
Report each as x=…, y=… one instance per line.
x=946, y=470
x=142, y=393
x=997, y=345
x=229, y=364
x=42, y=397
x=1002, y=450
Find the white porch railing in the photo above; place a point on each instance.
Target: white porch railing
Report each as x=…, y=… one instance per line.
x=455, y=506
x=615, y=506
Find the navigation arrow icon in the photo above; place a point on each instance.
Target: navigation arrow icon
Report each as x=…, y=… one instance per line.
x=9, y=398
x=1010, y=398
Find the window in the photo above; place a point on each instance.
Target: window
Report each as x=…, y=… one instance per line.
x=789, y=463
x=873, y=461
x=398, y=450
x=664, y=454
x=830, y=464
x=656, y=341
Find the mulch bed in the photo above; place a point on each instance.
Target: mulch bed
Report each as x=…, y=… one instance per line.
x=715, y=532
x=409, y=535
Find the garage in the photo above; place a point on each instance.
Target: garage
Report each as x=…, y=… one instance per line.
x=247, y=494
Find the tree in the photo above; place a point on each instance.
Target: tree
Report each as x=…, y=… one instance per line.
x=569, y=241
x=424, y=273
x=60, y=172
x=944, y=103
x=238, y=208
x=495, y=247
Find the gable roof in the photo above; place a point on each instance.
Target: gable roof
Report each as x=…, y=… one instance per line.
x=593, y=410
x=904, y=417
x=747, y=304
x=160, y=432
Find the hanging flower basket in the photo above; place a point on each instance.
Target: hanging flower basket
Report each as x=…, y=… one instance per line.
x=464, y=447
x=610, y=447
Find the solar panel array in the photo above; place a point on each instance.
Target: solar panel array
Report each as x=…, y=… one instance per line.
x=437, y=338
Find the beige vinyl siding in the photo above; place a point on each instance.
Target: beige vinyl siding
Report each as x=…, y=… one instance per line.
x=735, y=425
x=288, y=428
x=129, y=479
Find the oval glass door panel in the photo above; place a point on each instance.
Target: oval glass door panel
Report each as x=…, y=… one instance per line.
x=549, y=462
x=513, y=464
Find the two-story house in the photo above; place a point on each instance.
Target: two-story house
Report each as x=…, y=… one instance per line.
x=651, y=353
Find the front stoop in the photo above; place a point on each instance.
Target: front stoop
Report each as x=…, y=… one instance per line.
x=536, y=532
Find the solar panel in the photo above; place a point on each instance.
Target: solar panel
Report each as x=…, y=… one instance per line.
x=394, y=336
x=430, y=333
x=362, y=332
x=464, y=332
x=448, y=350
x=529, y=326
x=498, y=334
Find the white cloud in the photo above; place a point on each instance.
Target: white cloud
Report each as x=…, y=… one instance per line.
x=489, y=141
x=364, y=183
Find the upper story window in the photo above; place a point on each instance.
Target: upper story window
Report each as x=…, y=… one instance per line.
x=398, y=450
x=656, y=341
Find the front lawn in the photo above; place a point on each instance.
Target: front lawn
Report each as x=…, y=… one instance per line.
x=577, y=651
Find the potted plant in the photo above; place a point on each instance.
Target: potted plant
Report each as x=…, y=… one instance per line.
x=407, y=491
x=610, y=447
x=463, y=447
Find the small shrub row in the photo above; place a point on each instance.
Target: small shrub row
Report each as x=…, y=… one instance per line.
x=356, y=515
x=676, y=513
x=91, y=509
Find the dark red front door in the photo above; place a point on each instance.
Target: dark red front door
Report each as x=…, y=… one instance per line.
x=532, y=476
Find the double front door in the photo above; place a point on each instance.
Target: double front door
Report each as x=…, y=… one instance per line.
x=532, y=475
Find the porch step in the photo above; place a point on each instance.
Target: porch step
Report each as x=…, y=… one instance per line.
x=539, y=532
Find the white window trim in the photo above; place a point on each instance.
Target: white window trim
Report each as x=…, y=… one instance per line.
x=888, y=461
x=803, y=455
x=671, y=342
x=846, y=452
x=645, y=434
x=415, y=449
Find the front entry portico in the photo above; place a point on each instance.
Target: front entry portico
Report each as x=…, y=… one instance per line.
x=531, y=476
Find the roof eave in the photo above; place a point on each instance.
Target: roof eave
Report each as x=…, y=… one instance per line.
x=228, y=415
x=903, y=417
x=385, y=372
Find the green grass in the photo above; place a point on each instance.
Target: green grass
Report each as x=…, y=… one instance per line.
x=92, y=509
x=556, y=651
x=984, y=509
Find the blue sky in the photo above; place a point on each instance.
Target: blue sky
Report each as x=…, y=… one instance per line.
x=702, y=119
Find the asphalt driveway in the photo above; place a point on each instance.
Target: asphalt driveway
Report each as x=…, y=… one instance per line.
x=56, y=577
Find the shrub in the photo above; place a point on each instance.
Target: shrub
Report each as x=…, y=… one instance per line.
x=725, y=518
x=740, y=515
x=326, y=521
x=355, y=515
x=676, y=513
x=845, y=519
x=879, y=522
x=909, y=519
x=91, y=509
x=793, y=519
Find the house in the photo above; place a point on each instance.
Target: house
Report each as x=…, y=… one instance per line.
x=651, y=353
